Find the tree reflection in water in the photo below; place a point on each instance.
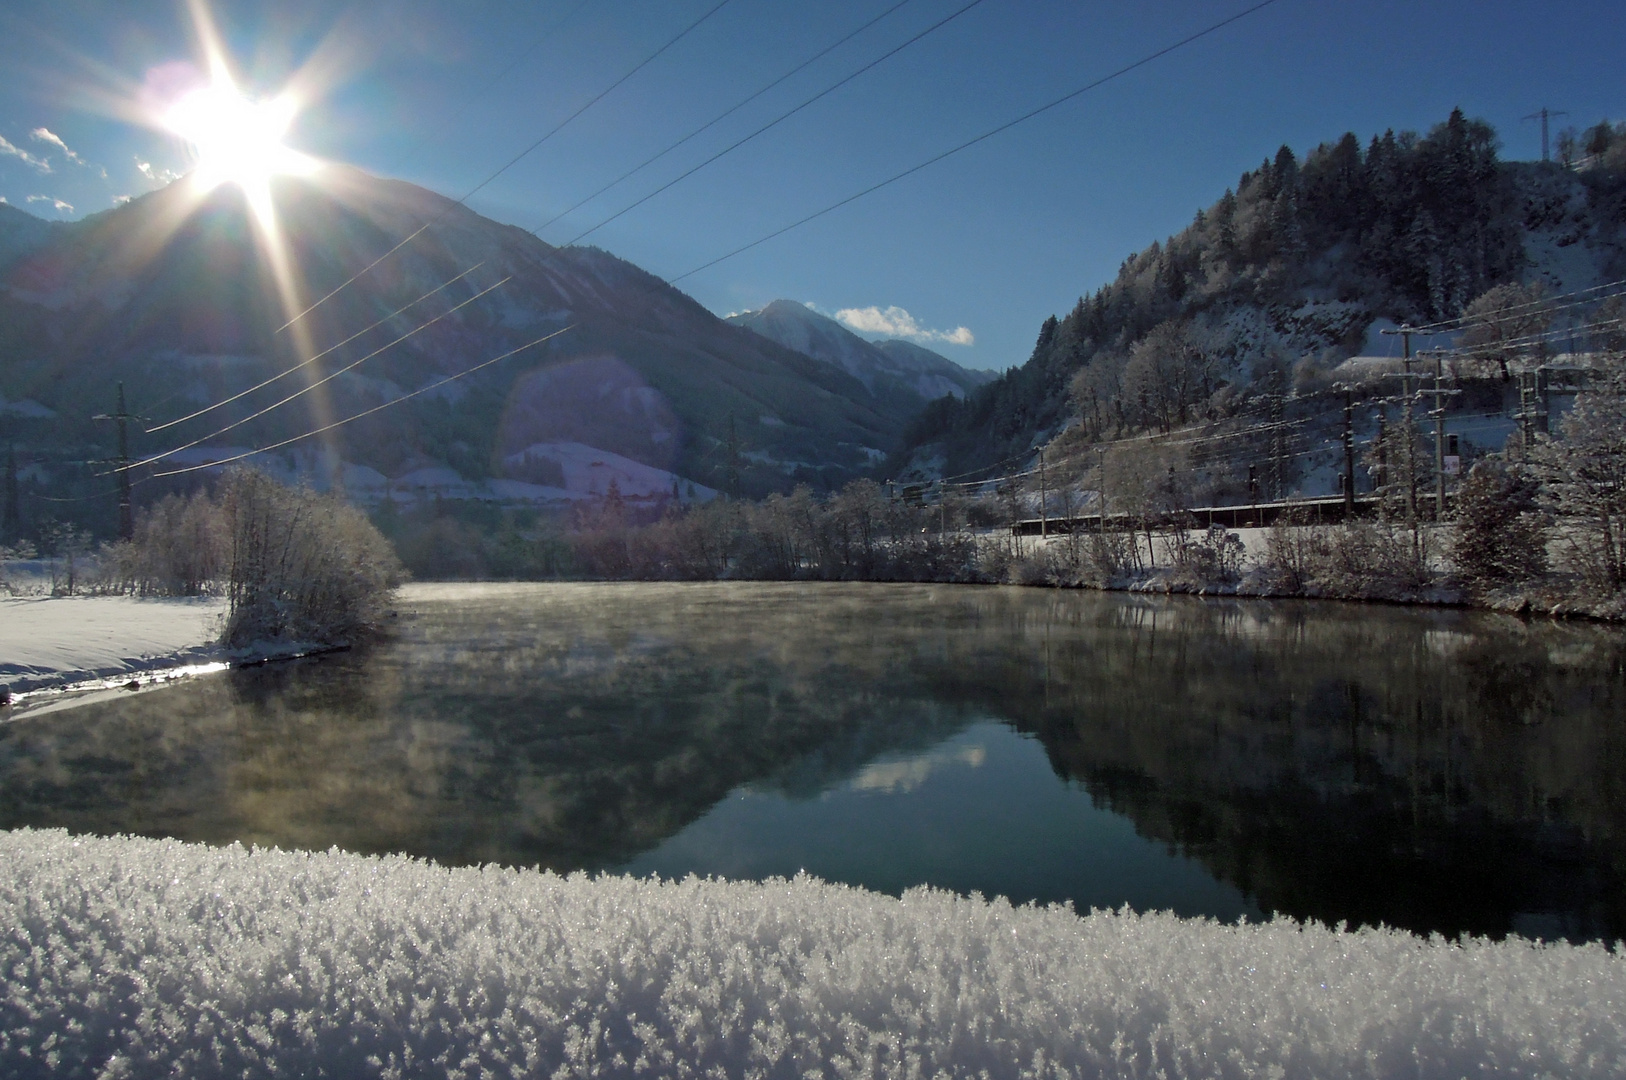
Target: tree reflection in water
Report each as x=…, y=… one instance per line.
x=1442, y=770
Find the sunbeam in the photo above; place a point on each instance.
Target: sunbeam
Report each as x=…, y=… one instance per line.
x=237, y=139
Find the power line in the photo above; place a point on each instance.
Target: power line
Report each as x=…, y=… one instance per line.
x=779, y=119
x=1538, y=338
x=365, y=412
x=980, y=138
x=318, y=356
x=307, y=389
x=527, y=51
x=515, y=160
x=719, y=117
x=1545, y=301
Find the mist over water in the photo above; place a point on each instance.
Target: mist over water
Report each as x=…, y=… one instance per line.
x=1433, y=770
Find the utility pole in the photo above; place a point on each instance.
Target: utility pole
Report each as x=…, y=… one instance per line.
x=1405, y=333
x=1278, y=446
x=122, y=418
x=1382, y=476
x=1101, y=482
x=1542, y=116
x=1439, y=438
x=1532, y=415
x=1044, y=500
x=1349, y=454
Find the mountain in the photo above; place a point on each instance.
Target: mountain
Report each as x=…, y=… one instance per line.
x=1284, y=278
x=181, y=297
x=899, y=372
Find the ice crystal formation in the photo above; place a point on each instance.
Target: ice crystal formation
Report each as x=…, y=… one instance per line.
x=130, y=957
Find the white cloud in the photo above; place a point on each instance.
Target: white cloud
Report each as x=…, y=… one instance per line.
x=155, y=174
x=896, y=322
x=27, y=159
x=46, y=135
x=61, y=205
x=120, y=200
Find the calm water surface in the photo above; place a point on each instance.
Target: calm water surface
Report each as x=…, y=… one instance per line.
x=1440, y=771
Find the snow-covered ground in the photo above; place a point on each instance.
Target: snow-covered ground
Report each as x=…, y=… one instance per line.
x=135, y=958
x=48, y=641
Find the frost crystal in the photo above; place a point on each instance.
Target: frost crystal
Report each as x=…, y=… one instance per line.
x=131, y=958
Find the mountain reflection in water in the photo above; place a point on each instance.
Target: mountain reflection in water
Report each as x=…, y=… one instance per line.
x=1440, y=771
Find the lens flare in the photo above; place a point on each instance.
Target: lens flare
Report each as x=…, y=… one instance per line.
x=238, y=140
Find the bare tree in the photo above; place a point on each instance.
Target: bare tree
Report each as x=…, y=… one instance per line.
x=1169, y=372
x=1501, y=322
x=1583, y=474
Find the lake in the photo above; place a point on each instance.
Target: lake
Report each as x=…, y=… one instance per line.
x=1443, y=771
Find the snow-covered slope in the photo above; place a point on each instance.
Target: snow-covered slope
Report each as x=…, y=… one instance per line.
x=898, y=367
x=145, y=958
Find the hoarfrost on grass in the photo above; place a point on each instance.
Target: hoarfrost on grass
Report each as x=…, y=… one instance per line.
x=133, y=957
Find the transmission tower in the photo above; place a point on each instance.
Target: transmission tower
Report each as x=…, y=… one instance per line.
x=122, y=418
x=1543, y=115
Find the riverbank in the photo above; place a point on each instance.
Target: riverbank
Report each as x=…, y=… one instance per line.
x=73, y=645
x=58, y=641
x=1259, y=575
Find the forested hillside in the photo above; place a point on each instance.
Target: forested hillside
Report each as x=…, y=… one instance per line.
x=1283, y=276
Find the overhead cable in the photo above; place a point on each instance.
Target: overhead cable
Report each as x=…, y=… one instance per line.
x=1126, y=69
x=307, y=389
x=718, y=118
x=318, y=356
x=780, y=119
x=515, y=160
x=365, y=412
x=1445, y=325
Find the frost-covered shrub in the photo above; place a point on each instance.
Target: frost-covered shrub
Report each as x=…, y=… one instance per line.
x=1213, y=556
x=302, y=566
x=1499, y=536
x=179, y=549
x=1357, y=560
x=146, y=958
x=18, y=552
x=1584, y=483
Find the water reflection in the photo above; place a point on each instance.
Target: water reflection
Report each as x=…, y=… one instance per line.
x=1442, y=771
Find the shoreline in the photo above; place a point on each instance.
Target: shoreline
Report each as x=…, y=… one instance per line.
x=1519, y=604
x=26, y=693
x=60, y=649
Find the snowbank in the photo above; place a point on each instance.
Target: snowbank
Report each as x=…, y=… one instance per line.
x=126, y=957
x=52, y=641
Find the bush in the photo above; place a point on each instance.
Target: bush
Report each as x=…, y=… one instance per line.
x=1499, y=537
x=179, y=549
x=301, y=566
x=1359, y=560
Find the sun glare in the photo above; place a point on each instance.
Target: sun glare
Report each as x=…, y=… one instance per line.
x=237, y=140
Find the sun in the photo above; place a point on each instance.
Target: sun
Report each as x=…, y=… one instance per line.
x=236, y=139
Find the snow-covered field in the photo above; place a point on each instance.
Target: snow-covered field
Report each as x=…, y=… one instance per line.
x=134, y=958
x=48, y=641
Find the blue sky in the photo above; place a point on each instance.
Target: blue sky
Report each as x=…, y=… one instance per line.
x=442, y=93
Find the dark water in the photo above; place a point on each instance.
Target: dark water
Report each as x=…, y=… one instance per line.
x=1440, y=771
